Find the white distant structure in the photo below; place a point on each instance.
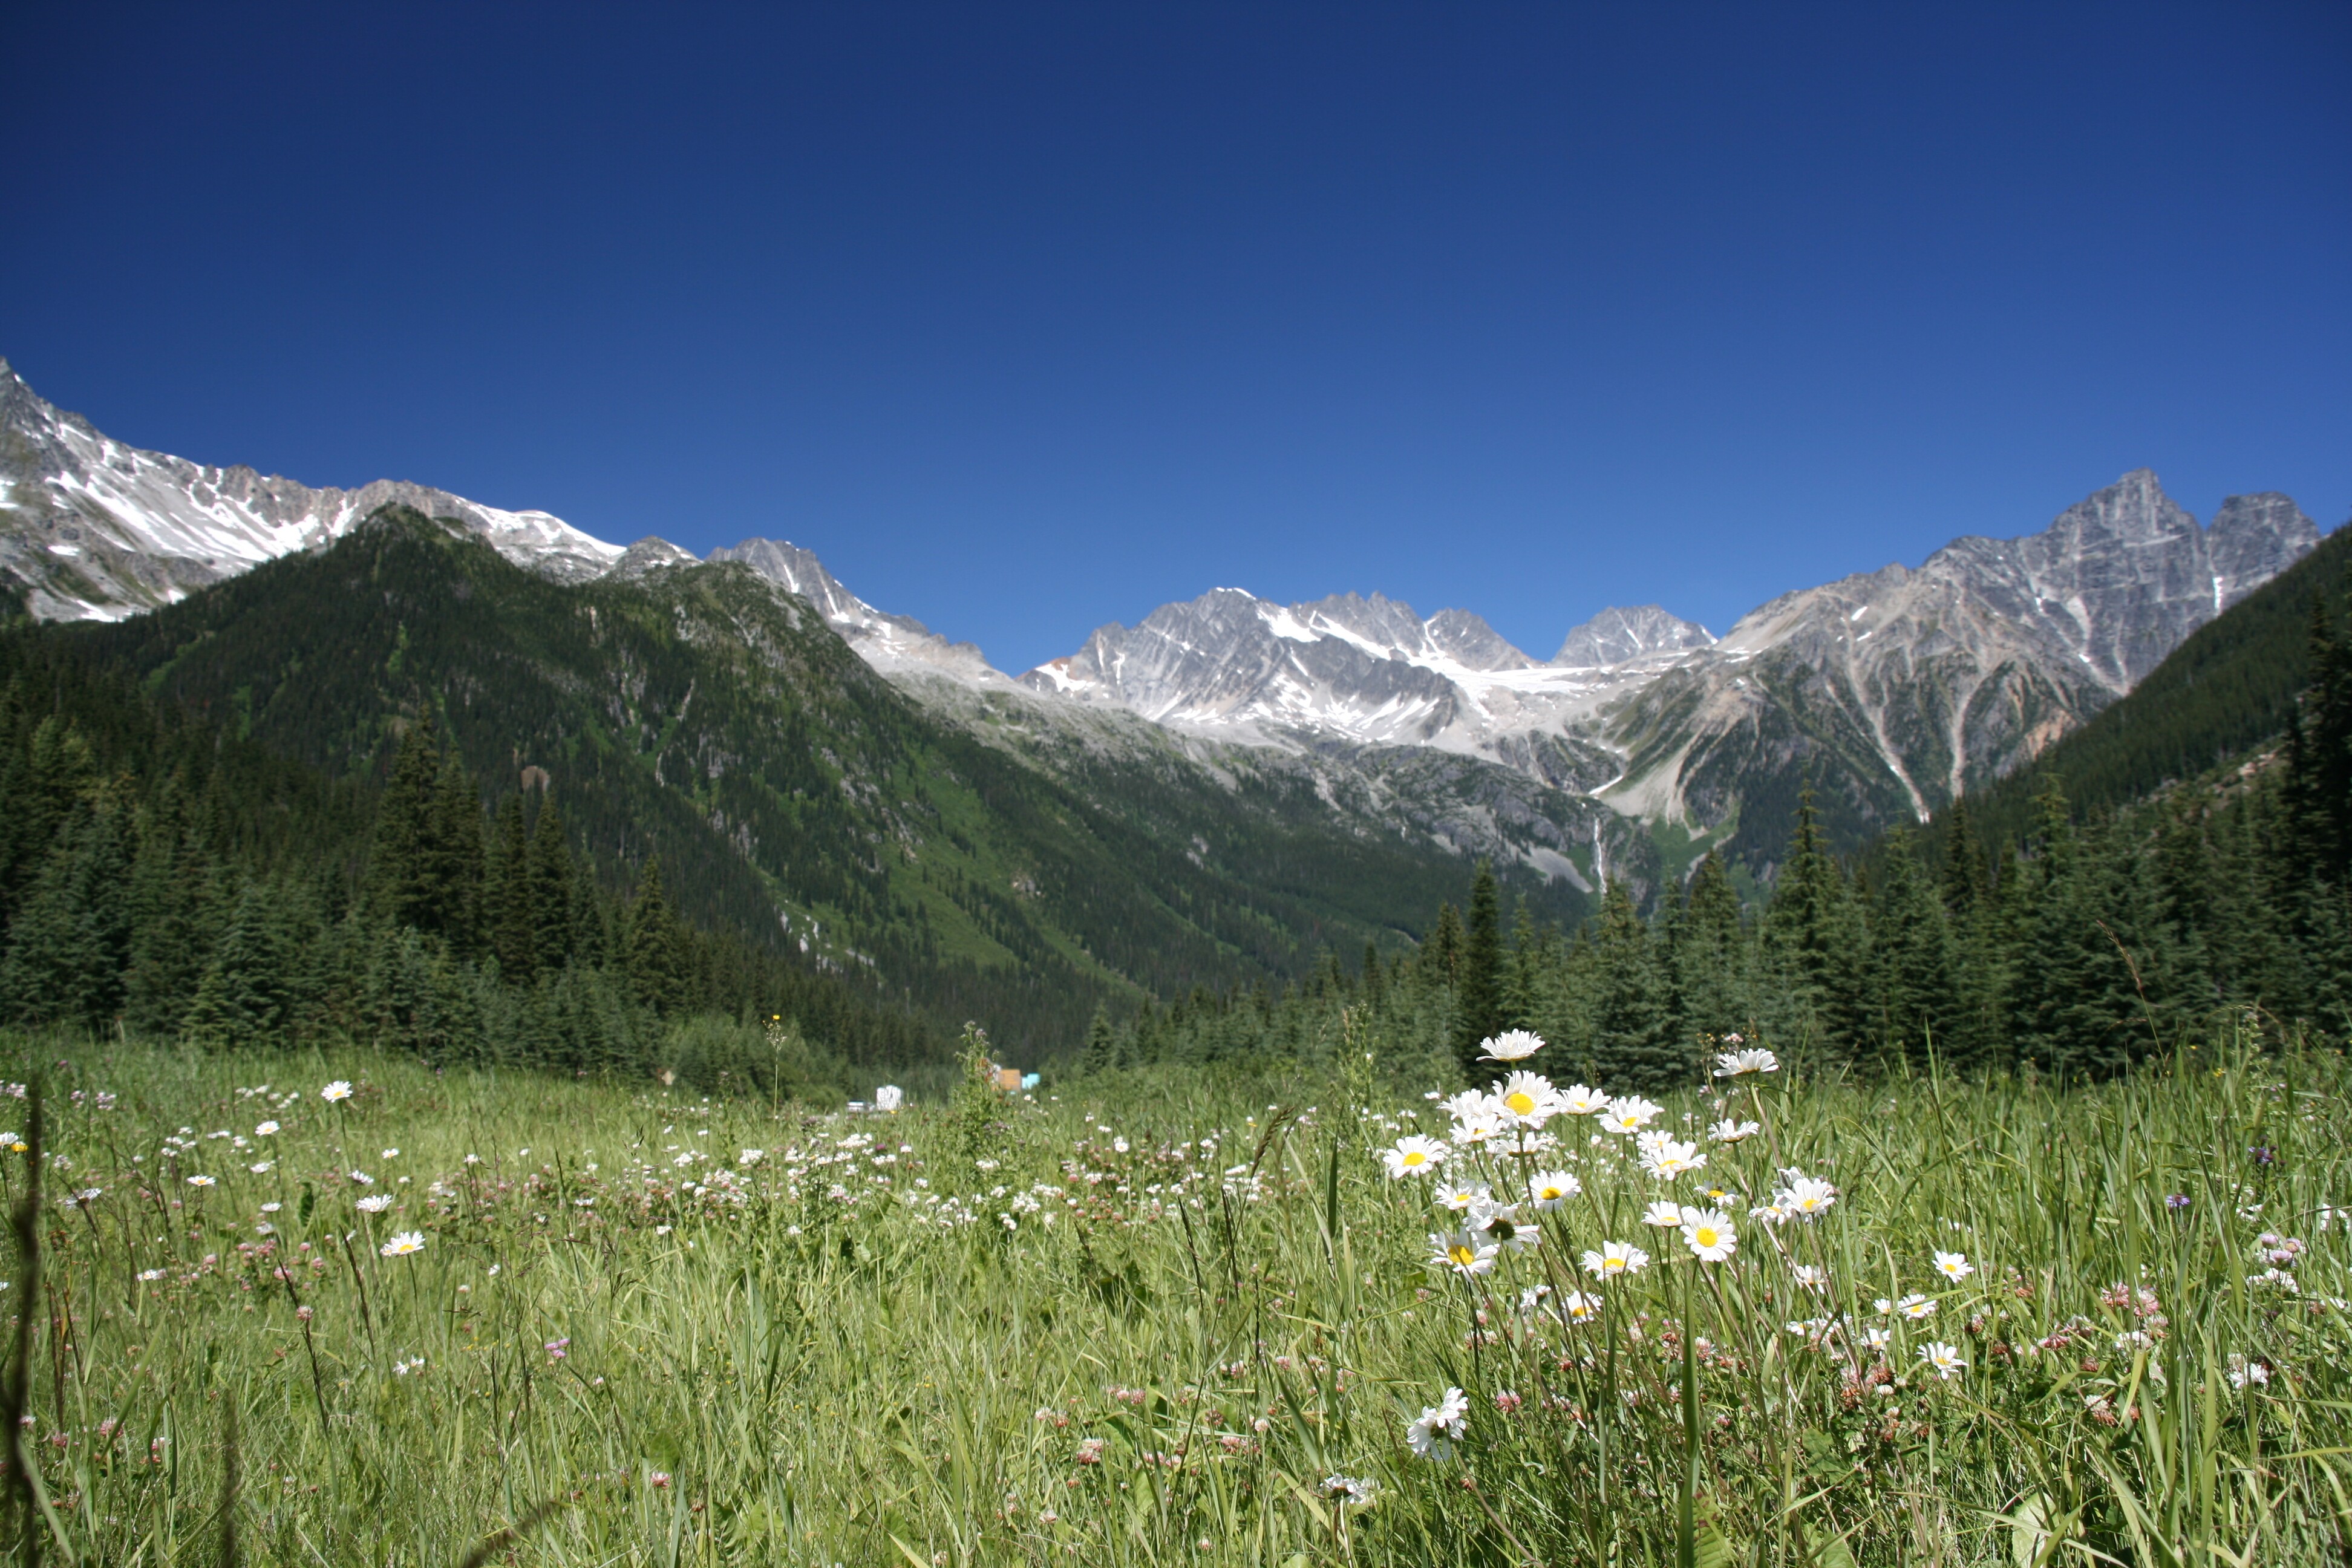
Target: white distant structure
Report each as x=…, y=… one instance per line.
x=889, y=1097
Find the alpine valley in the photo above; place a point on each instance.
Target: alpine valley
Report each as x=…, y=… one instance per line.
x=1220, y=796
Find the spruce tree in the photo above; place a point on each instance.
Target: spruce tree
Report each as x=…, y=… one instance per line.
x=507, y=896
x=247, y=996
x=655, y=968
x=1711, y=969
x=1632, y=1048
x=1101, y=1053
x=1440, y=963
x=1812, y=926
x=549, y=880
x=1478, y=1014
x=1912, y=958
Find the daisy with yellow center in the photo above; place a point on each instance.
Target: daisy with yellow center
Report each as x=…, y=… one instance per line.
x=1466, y=1253
x=1615, y=1260
x=1708, y=1234
x=403, y=1244
x=1942, y=1359
x=1413, y=1156
x=1663, y=1214
x=1549, y=1189
x=1528, y=1099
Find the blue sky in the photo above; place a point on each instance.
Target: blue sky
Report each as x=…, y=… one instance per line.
x=1027, y=318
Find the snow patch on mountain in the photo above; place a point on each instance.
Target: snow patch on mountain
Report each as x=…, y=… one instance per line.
x=93, y=528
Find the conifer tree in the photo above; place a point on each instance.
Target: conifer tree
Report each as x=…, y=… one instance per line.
x=1478, y=1014
x=656, y=972
x=1912, y=958
x=1810, y=923
x=70, y=943
x=1441, y=962
x=245, y=997
x=1100, y=1052
x=507, y=896
x=1631, y=1047
x=549, y=880
x=1711, y=968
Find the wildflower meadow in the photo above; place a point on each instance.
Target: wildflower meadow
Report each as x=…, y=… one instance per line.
x=343, y=1308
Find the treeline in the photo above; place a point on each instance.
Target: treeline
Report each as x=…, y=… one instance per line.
x=161, y=878
x=2072, y=951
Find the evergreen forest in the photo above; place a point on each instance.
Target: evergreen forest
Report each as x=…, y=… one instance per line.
x=402, y=793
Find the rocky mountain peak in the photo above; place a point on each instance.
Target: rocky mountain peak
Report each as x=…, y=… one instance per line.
x=1624, y=634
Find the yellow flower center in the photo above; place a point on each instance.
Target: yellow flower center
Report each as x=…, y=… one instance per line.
x=1415, y=1157
x=1462, y=1255
x=1520, y=1101
x=1706, y=1236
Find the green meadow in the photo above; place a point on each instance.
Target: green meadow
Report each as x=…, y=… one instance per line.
x=1155, y=1316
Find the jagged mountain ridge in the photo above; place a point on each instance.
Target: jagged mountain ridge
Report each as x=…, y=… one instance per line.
x=1897, y=690
x=97, y=529
x=1892, y=690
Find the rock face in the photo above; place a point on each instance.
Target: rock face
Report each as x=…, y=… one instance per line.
x=1356, y=671
x=1890, y=691
x=91, y=529
x=894, y=645
x=1623, y=637
x=1895, y=689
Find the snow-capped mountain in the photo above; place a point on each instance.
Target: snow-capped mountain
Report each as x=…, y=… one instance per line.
x=92, y=529
x=1916, y=683
x=1890, y=690
x=896, y=646
x=1368, y=671
x=1893, y=689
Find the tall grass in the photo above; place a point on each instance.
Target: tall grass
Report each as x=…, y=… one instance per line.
x=1146, y=1322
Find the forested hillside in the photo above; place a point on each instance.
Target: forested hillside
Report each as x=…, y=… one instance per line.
x=879, y=875
x=2070, y=945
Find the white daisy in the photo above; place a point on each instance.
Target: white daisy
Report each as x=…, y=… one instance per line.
x=1512, y=1045
x=1429, y=1432
x=1581, y=1099
x=1663, y=1214
x=339, y=1090
x=1614, y=1259
x=1708, y=1234
x=1629, y=1115
x=1549, y=1189
x=1666, y=1158
x=1467, y=1252
x=1730, y=1132
x=1945, y=1359
x=1738, y=1064
x=1954, y=1266
x=1527, y=1099
x=1413, y=1156
x=403, y=1244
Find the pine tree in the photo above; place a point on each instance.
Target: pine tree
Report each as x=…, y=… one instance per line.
x=246, y=995
x=404, y=868
x=507, y=896
x=1711, y=971
x=1478, y=1015
x=1440, y=960
x=70, y=943
x=1912, y=958
x=1812, y=927
x=549, y=881
x=656, y=972
x=1101, y=1053
x=1632, y=1048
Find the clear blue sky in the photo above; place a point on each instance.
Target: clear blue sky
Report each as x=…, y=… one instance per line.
x=1029, y=319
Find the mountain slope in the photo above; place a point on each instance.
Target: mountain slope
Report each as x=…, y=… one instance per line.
x=697, y=713
x=92, y=529
x=2230, y=686
x=1896, y=690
